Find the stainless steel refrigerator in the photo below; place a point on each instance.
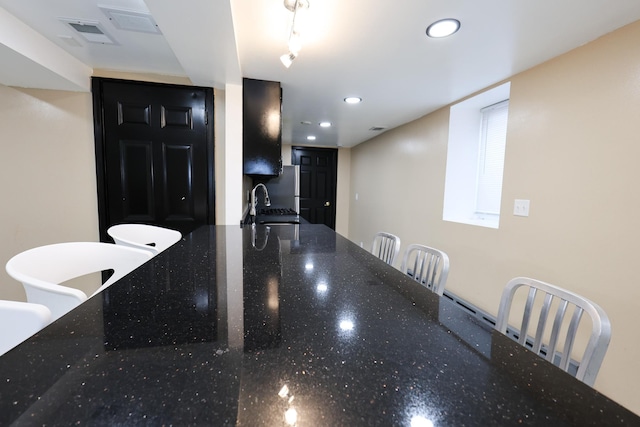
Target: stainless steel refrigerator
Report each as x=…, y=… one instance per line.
x=284, y=190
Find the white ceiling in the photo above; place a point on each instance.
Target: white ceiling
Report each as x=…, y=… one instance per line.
x=375, y=49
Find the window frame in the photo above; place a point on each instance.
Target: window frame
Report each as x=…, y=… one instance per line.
x=463, y=159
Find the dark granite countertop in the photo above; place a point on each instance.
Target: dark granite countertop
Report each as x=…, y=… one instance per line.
x=245, y=326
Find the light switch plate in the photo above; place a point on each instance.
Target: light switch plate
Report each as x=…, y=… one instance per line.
x=521, y=207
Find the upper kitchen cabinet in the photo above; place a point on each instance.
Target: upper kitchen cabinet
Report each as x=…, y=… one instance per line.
x=262, y=127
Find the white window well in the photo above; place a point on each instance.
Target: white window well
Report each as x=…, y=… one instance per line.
x=475, y=158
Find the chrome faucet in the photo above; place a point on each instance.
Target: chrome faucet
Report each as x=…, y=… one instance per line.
x=254, y=201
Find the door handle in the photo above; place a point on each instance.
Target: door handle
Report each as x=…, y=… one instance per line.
x=327, y=203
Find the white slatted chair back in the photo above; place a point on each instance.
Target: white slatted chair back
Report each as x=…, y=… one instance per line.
x=427, y=266
x=386, y=246
x=556, y=304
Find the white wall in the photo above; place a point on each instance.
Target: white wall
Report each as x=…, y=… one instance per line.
x=229, y=178
x=572, y=149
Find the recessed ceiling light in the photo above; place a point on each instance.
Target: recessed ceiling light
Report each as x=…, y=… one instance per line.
x=325, y=124
x=443, y=28
x=305, y=122
x=352, y=100
x=311, y=138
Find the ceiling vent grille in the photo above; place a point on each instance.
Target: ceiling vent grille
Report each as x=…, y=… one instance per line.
x=131, y=21
x=91, y=31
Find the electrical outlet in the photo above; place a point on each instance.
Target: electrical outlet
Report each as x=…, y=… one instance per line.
x=521, y=207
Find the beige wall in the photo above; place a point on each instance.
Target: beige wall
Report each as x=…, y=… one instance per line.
x=155, y=78
x=47, y=173
x=572, y=149
x=47, y=169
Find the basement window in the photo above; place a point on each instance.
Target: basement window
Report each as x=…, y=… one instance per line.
x=475, y=158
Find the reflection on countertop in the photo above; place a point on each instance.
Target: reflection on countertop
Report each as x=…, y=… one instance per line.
x=274, y=216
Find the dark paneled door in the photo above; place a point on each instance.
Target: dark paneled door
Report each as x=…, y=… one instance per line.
x=318, y=179
x=154, y=151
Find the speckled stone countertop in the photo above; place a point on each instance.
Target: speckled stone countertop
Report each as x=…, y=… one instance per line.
x=259, y=325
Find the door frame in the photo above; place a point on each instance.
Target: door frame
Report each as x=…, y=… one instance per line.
x=99, y=138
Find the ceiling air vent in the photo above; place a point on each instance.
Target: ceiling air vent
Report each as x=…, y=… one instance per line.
x=377, y=128
x=131, y=21
x=91, y=31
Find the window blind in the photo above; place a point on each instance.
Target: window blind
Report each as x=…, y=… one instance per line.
x=493, y=138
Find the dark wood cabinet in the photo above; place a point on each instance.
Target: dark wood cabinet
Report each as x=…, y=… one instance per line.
x=262, y=127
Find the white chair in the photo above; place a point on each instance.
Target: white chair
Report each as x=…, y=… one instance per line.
x=20, y=320
x=42, y=270
x=557, y=300
x=386, y=246
x=427, y=266
x=152, y=238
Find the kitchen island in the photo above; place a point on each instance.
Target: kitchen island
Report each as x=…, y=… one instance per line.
x=284, y=325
